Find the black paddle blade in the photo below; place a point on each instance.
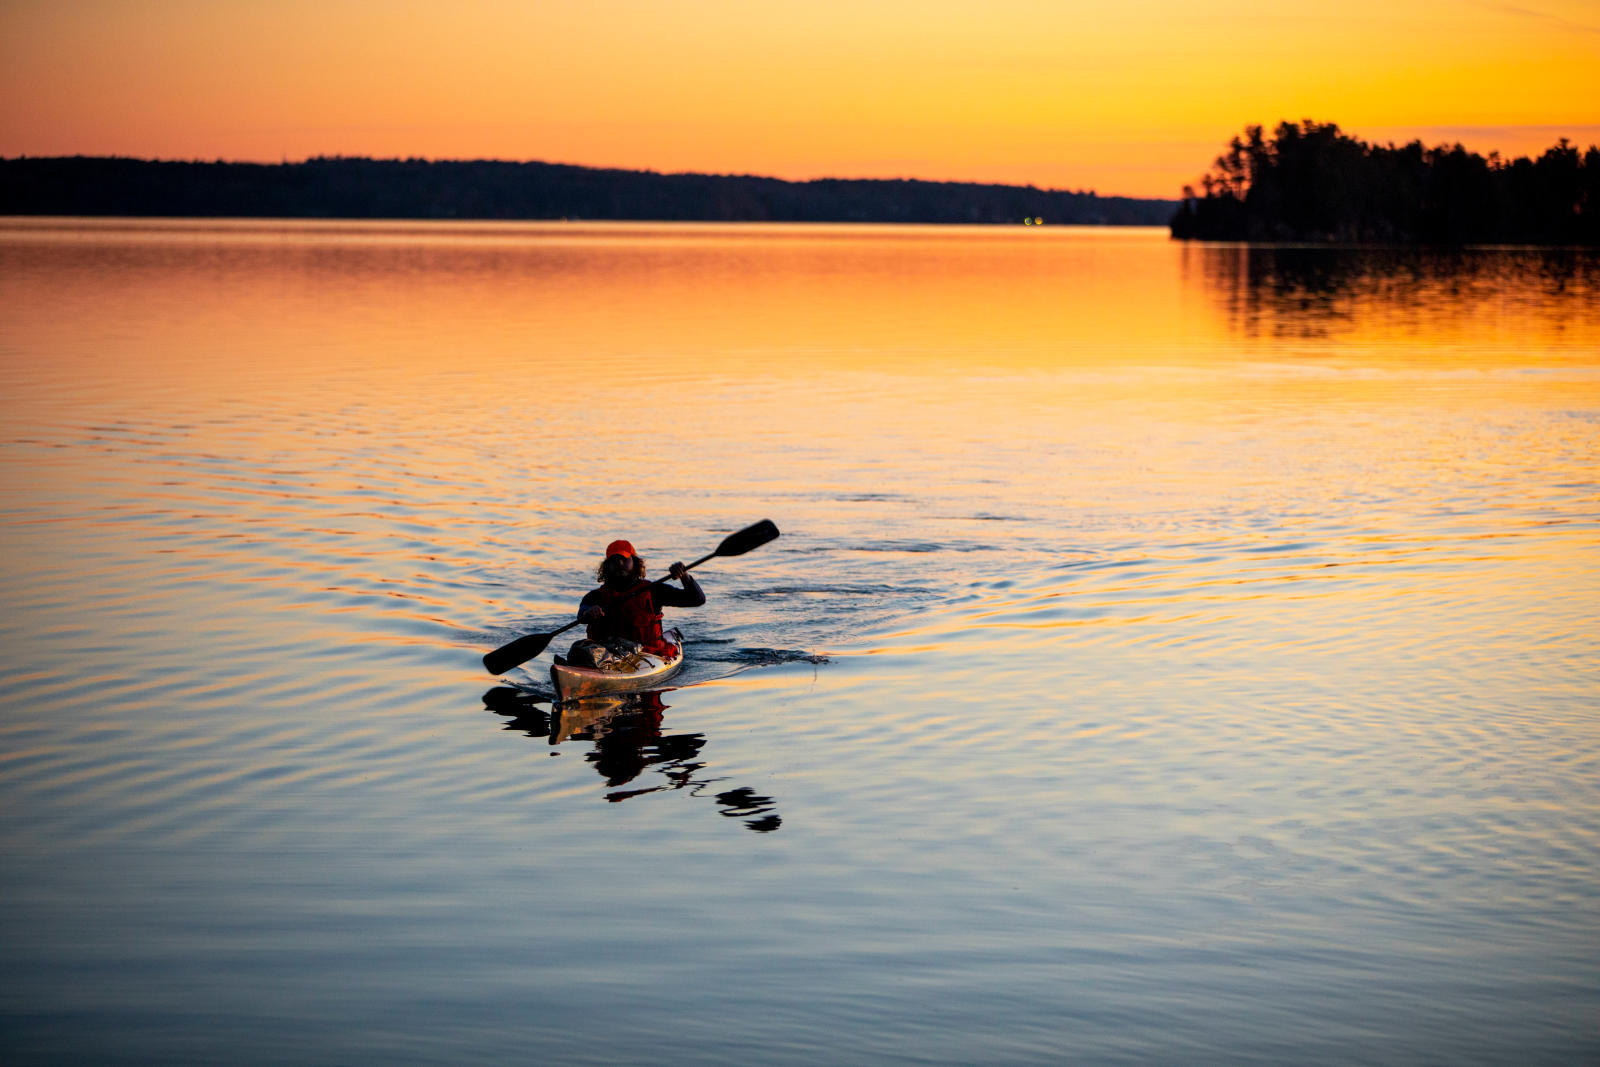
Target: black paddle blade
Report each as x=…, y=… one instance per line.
x=737, y=544
x=516, y=653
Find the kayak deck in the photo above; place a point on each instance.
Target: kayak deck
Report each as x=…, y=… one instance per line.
x=575, y=683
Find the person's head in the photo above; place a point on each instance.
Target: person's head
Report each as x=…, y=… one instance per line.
x=622, y=566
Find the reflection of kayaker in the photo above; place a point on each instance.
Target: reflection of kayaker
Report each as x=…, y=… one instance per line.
x=625, y=610
x=628, y=737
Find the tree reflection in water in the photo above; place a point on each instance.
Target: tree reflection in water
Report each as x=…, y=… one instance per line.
x=1435, y=296
x=628, y=741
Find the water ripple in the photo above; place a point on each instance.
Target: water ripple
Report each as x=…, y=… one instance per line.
x=1113, y=655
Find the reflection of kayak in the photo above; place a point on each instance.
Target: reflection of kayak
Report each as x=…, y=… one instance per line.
x=575, y=683
x=592, y=717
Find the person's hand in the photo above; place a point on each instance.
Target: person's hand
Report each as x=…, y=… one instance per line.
x=592, y=613
x=678, y=571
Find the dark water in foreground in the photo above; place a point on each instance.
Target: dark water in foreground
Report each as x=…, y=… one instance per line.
x=1174, y=654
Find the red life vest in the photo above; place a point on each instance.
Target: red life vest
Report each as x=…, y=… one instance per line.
x=630, y=613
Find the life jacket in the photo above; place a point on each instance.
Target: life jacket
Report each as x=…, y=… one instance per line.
x=631, y=613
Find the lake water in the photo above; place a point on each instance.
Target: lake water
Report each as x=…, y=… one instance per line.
x=1173, y=654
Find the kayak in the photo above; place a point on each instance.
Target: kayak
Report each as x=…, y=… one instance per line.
x=575, y=683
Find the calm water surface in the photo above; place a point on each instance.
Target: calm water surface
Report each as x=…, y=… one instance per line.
x=1174, y=654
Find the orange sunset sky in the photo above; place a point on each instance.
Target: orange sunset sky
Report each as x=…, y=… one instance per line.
x=1133, y=97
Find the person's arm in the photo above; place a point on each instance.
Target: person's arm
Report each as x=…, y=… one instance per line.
x=690, y=596
x=588, y=610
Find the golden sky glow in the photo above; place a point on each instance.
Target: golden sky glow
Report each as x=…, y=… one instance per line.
x=1132, y=97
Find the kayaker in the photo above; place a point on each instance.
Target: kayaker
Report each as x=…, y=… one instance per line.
x=626, y=608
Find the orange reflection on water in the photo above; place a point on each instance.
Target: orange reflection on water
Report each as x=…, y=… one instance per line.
x=561, y=300
x=1006, y=365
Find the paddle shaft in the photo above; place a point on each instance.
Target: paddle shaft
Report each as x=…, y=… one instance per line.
x=668, y=578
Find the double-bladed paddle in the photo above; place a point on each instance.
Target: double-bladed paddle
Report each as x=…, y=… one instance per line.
x=525, y=648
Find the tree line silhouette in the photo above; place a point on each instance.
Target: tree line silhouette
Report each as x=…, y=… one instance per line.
x=1310, y=182
x=354, y=187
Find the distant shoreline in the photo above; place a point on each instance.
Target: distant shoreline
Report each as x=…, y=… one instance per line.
x=492, y=190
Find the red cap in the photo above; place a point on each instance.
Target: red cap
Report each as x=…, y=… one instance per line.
x=620, y=548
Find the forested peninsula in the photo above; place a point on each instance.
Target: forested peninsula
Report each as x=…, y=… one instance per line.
x=1309, y=182
x=360, y=188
